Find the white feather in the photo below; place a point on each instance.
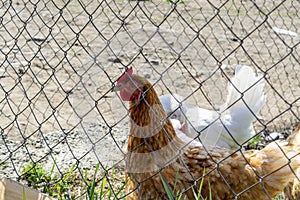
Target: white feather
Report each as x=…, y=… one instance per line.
x=171, y=104
x=284, y=32
x=233, y=124
x=177, y=127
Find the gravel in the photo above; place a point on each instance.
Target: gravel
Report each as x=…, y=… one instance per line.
x=87, y=146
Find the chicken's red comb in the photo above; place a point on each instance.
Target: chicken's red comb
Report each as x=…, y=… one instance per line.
x=125, y=75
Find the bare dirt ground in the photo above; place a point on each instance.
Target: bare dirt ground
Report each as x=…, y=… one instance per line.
x=59, y=61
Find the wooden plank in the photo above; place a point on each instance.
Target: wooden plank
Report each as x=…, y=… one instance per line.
x=13, y=190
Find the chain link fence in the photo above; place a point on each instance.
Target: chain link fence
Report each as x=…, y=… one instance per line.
x=59, y=60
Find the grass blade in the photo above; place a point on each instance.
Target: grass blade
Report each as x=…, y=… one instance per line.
x=167, y=189
x=93, y=183
x=23, y=194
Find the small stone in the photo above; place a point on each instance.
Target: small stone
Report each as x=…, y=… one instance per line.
x=273, y=136
x=147, y=76
x=21, y=71
x=22, y=123
x=38, y=144
x=56, y=151
x=154, y=62
x=234, y=39
x=36, y=39
x=114, y=60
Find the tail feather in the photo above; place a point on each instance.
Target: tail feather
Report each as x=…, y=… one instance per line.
x=294, y=139
x=245, y=91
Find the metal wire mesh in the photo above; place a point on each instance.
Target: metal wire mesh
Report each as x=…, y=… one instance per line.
x=59, y=60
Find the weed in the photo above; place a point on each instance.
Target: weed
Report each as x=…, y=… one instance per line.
x=97, y=188
x=91, y=190
x=23, y=194
x=279, y=197
x=197, y=196
x=3, y=164
x=37, y=177
x=107, y=189
x=34, y=174
x=254, y=142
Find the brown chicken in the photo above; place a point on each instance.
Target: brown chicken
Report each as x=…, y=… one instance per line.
x=292, y=191
x=155, y=153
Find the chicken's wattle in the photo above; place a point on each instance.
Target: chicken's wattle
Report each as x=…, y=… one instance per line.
x=129, y=96
x=126, y=96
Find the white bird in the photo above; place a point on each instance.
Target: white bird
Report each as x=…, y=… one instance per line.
x=172, y=105
x=230, y=127
x=178, y=129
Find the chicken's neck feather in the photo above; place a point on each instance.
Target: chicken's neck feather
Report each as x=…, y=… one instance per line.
x=150, y=128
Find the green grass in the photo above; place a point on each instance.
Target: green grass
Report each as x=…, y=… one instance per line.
x=280, y=197
x=35, y=174
x=3, y=164
x=178, y=196
x=23, y=194
x=105, y=189
x=100, y=186
x=197, y=196
x=254, y=142
x=38, y=178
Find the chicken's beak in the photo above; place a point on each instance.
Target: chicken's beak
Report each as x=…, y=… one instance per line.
x=117, y=87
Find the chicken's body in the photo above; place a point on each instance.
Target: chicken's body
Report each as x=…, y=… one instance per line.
x=156, y=153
